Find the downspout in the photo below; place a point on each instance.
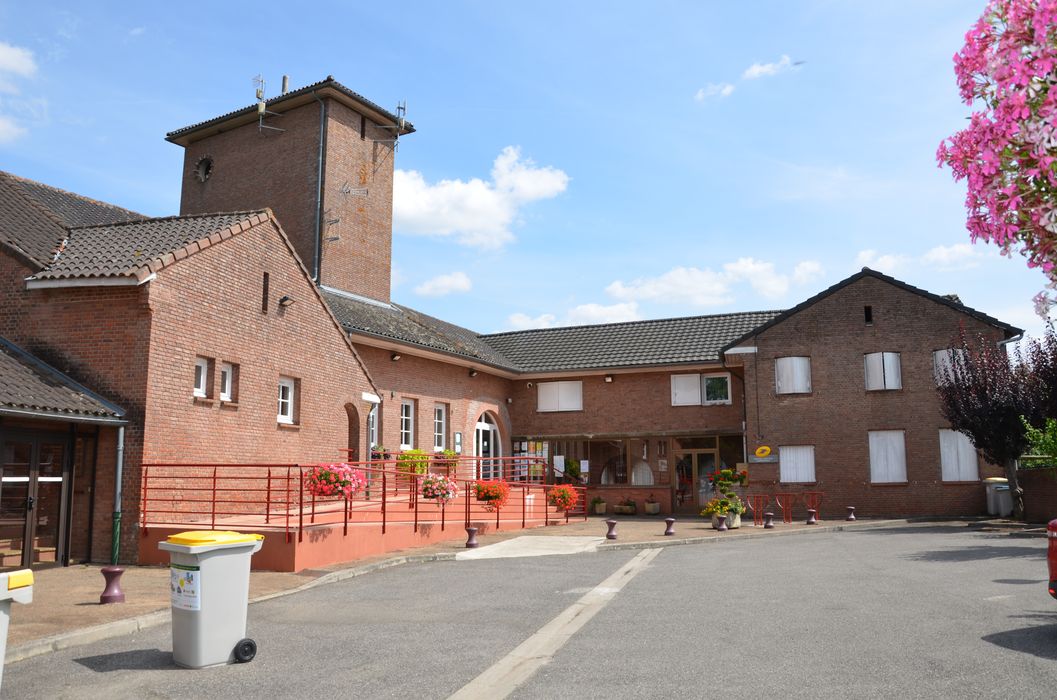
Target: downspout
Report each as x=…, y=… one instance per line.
x=320, y=163
x=119, y=465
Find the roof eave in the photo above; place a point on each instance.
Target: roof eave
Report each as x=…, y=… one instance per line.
x=60, y=416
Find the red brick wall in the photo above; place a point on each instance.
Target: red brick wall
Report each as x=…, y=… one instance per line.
x=210, y=305
x=357, y=249
x=1040, y=494
x=839, y=412
x=632, y=403
x=254, y=169
x=429, y=382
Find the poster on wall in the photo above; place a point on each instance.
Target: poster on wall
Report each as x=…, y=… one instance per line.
x=585, y=467
x=559, y=464
x=662, y=465
x=457, y=443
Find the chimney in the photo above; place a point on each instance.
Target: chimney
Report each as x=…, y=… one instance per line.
x=286, y=84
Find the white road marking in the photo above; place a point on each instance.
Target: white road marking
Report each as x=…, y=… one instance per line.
x=533, y=546
x=505, y=675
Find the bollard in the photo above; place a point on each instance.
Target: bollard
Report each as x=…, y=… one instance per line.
x=811, y=520
x=768, y=521
x=471, y=539
x=851, y=513
x=670, y=529
x=112, y=593
x=722, y=519
x=612, y=534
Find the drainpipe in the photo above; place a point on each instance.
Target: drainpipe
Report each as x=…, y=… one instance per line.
x=119, y=465
x=319, y=190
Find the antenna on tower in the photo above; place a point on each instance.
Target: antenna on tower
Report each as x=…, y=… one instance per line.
x=262, y=108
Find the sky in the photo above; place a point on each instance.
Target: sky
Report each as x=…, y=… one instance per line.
x=574, y=162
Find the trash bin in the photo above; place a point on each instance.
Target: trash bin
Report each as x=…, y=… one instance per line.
x=1003, y=501
x=209, y=580
x=16, y=586
x=990, y=485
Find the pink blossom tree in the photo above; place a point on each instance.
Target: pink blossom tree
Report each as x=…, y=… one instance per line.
x=1008, y=153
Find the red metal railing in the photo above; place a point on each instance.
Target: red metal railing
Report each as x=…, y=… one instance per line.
x=520, y=469
x=274, y=496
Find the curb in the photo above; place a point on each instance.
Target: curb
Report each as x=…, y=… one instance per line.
x=119, y=628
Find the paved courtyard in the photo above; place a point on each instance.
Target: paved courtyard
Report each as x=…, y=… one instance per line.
x=936, y=611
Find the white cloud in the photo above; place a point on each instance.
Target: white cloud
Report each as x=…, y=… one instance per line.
x=680, y=285
x=766, y=70
x=761, y=275
x=15, y=62
x=717, y=90
x=9, y=130
x=887, y=264
x=807, y=272
x=960, y=256
x=444, y=284
x=584, y=314
x=137, y=31
x=474, y=212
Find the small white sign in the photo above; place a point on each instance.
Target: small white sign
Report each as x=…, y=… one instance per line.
x=585, y=467
x=559, y=463
x=186, y=587
x=662, y=464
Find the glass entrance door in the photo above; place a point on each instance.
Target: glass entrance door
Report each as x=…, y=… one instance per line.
x=33, y=478
x=692, y=489
x=486, y=447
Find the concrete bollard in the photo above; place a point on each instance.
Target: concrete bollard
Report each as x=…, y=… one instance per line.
x=811, y=519
x=471, y=539
x=851, y=513
x=670, y=529
x=112, y=593
x=612, y=525
x=768, y=521
x=722, y=523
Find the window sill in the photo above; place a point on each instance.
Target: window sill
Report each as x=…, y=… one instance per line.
x=797, y=483
x=961, y=483
x=288, y=426
x=884, y=484
x=233, y=405
x=204, y=401
x=790, y=394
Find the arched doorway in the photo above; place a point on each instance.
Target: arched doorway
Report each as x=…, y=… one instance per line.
x=354, y=433
x=487, y=448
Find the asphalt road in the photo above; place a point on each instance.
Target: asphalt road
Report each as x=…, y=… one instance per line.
x=933, y=611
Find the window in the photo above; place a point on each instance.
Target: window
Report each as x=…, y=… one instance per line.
x=440, y=427
x=943, y=363
x=201, y=388
x=372, y=427
x=287, y=412
x=700, y=389
x=882, y=371
x=958, y=460
x=559, y=396
x=792, y=375
x=407, y=424
x=228, y=381
x=888, y=459
x=797, y=463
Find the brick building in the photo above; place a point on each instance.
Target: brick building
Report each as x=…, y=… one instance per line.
x=256, y=326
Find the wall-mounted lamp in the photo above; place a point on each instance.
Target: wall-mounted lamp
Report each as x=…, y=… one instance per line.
x=473, y=373
x=529, y=385
x=509, y=400
x=285, y=300
x=395, y=356
x=609, y=379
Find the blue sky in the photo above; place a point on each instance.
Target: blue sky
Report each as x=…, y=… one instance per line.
x=575, y=162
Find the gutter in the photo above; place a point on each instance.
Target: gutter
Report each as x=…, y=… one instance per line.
x=45, y=415
x=320, y=167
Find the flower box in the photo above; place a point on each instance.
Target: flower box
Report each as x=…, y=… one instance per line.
x=651, y=508
x=624, y=510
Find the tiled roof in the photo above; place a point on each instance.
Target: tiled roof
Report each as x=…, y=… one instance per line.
x=138, y=248
x=31, y=387
x=692, y=339
x=328, y=82
x=33, y=216
x=405, y=325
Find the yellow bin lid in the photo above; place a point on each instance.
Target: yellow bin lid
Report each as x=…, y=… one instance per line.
x=996, y=480
x=197, y=538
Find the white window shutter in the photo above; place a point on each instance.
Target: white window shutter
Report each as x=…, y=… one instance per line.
x=888, y=463
x=792, y=375
x=686, y=389
x=547, y=396
x=874, y=364
x=796, y=463
x=958, y=460
x=893, y=373
x=570, y=396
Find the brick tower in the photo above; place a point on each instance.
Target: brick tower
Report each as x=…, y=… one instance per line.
x=322, y=158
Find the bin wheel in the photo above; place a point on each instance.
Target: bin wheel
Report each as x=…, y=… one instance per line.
x=245, y=651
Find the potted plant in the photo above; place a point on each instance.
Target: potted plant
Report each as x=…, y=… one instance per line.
x=494, y=494
x=445, y=462
x=625, y=507
x=726, y=502
x=598, y=505
x=379, y=453
x=439, y=488
x=563, y=497
x=411, y=463
x=651, y=506
x=339, y=479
